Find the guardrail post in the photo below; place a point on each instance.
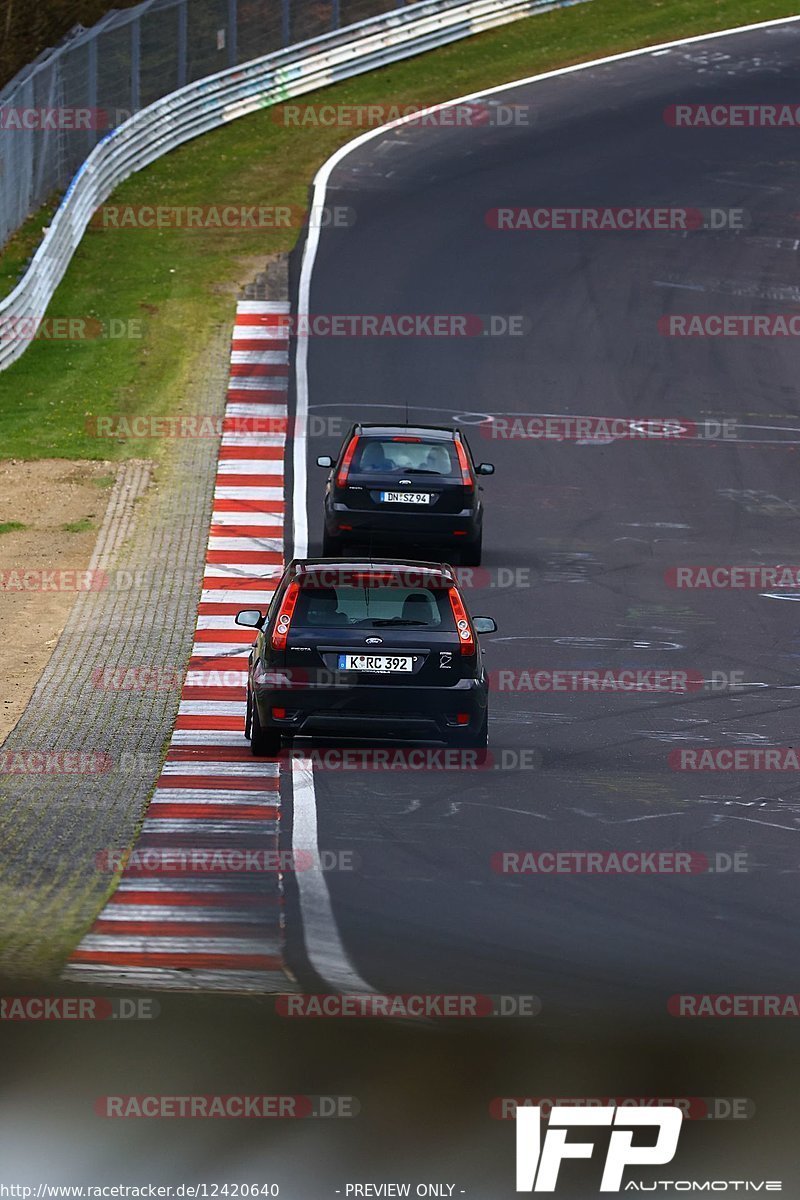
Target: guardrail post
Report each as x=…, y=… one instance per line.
x=136, y=55
x=183, y=30
x=285, y=23
x=336, y=14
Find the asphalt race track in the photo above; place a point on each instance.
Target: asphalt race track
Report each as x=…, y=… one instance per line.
x=586, y=530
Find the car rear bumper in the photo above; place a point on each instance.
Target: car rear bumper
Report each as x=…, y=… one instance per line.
x=418, y=527
x=375, y=712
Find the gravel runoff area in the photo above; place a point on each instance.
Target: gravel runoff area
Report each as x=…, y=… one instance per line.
x=80, y=765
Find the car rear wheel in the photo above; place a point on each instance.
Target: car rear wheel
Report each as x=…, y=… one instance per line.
x=264, y=743
x=472, y=552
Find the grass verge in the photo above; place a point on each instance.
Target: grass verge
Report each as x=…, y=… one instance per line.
x=159, y=294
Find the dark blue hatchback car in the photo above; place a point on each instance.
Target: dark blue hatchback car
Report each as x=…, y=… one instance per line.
x=371, y=649
x=406, y=486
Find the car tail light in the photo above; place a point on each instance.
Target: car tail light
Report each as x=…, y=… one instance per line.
x=463, y=461
x=279, y=714
x=406, y=439
x=363, y=579
x=461, y=718
x=341, y=478
x=462, y=623
x=284, y=619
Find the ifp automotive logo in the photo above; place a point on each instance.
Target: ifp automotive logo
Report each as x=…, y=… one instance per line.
x=539, y=1160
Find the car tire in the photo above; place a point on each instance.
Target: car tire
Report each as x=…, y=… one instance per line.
x=332, y=547
x=264, y=743
x=472, y=552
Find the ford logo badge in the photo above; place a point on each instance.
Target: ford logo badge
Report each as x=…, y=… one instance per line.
x=374, y=641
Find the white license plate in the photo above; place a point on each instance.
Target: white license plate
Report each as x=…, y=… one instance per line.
x=406, y=497
x=384, y=663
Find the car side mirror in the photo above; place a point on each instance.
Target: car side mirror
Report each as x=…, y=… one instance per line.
x=324, y=460
x=250, y=617
x=484, y=624
x=485, y=468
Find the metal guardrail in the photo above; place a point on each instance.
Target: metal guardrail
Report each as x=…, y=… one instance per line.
x=211, y=102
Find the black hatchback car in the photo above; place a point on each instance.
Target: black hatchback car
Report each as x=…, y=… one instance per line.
x=405, y=485
x=367, y=649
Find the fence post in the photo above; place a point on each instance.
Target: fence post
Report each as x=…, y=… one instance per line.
x=28, y=186
x=92, y=81
x=57, y=92
x=233, y=31
x=136, y=54
x=183, y=27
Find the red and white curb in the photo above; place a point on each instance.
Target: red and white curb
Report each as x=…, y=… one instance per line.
x=203, y=924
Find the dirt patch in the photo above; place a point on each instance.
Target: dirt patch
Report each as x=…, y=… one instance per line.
x=246, y=270
x=60, y=506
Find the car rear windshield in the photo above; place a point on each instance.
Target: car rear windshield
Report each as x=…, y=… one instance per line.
x=349, y=606
x=392, y=455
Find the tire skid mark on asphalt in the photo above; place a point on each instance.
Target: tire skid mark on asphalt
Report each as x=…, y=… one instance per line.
x=196, y=927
